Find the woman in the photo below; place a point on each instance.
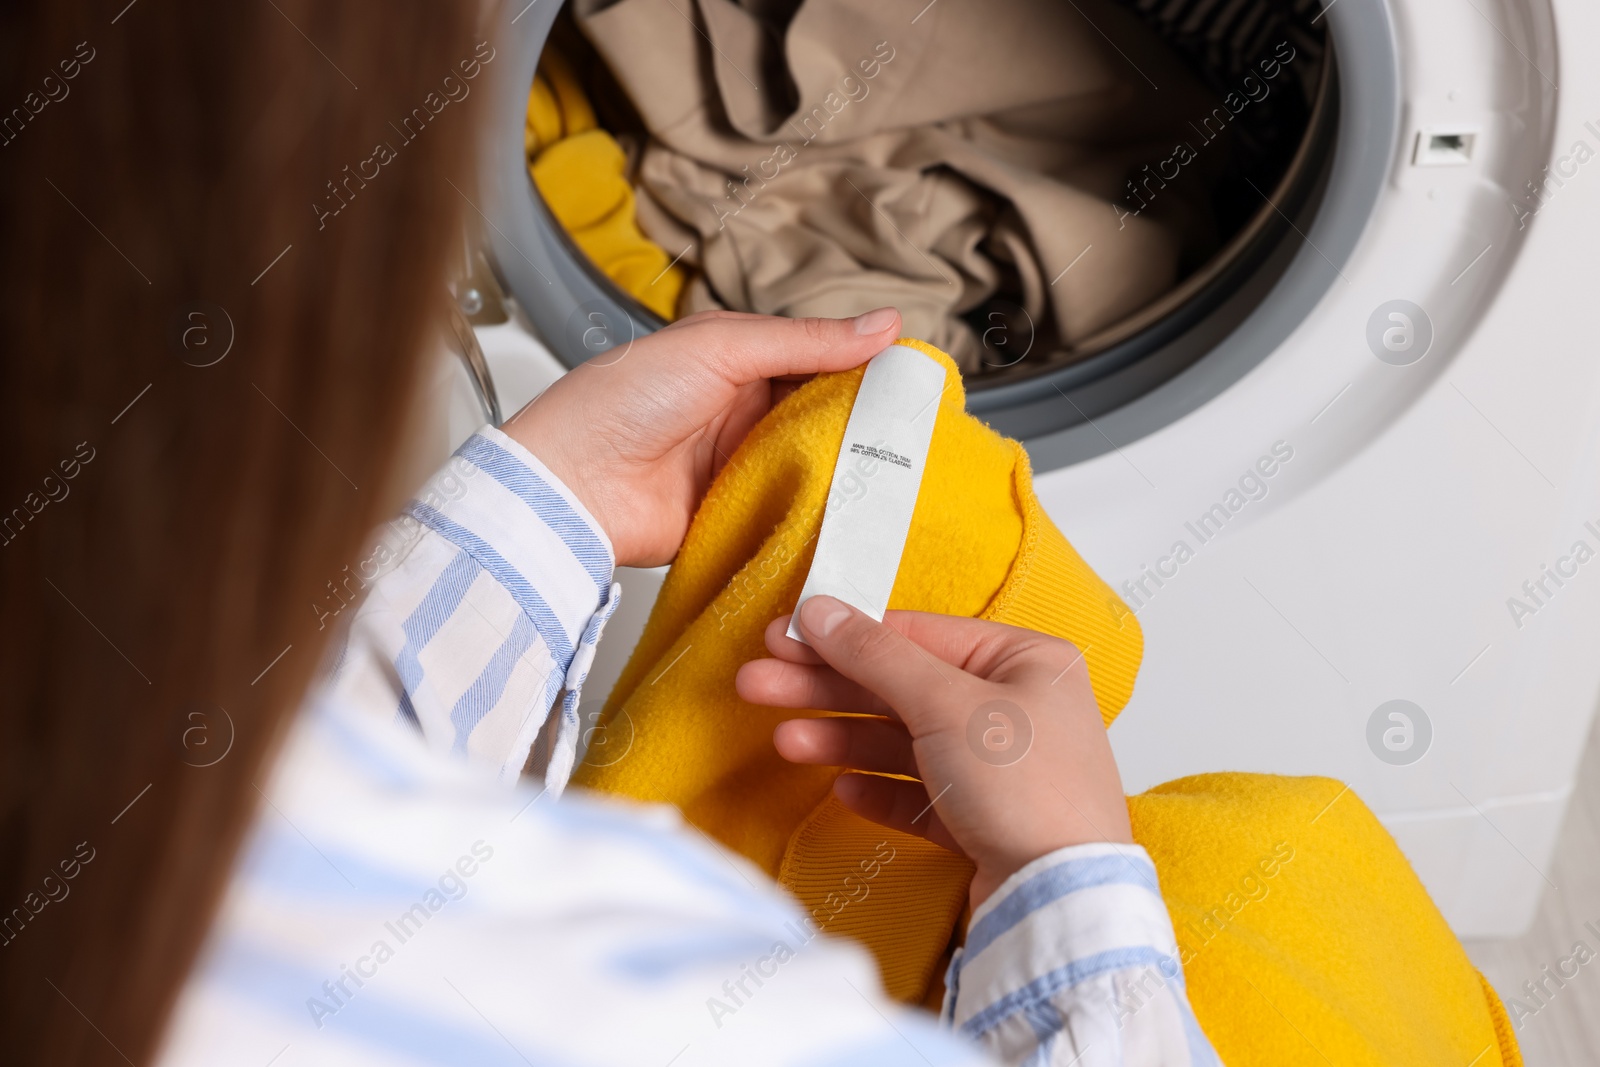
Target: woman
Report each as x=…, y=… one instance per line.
x=206, y=386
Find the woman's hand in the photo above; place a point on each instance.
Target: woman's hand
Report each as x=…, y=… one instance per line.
x=637, y=434
x=998, y=723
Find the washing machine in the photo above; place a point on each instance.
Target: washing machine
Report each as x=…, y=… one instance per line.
x=1345, y=476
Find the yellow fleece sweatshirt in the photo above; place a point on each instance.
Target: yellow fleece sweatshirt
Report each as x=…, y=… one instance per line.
x=1303, y=931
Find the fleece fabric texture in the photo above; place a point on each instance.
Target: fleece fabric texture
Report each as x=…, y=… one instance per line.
x=581, y=172
x=1304, y=934
x=1303, y=931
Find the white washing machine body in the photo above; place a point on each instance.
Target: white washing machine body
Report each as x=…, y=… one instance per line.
x=1429, y=532
x=1375, y=489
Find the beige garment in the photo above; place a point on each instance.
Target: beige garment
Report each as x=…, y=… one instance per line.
x=930, y=157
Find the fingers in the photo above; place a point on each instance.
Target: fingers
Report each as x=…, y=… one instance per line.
x=894, y=803
x=992, y=650
x=748, y=349
x=875, y=745
x=780, y=644
x=777, y=684
x=877, y=656
x=977, y=646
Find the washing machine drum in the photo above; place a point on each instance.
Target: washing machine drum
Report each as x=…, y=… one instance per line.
x=1221, y=172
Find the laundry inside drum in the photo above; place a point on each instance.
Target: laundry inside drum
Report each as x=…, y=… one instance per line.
x=1033, y=184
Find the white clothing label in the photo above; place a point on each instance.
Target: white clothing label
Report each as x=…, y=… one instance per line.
x=875, y=482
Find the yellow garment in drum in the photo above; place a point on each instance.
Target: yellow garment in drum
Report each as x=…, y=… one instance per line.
x=1339, y=943
x=581, y=173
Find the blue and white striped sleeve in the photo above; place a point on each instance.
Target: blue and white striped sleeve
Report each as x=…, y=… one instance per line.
x=484, y=602
x=1074, y=961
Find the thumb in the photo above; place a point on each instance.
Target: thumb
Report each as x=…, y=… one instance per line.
x=748, y=349
x=876, y=656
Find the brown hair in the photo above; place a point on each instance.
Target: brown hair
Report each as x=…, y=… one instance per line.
x=203, y=376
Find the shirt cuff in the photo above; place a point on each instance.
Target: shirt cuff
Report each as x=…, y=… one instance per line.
x=1069, y=917
x=497, y=502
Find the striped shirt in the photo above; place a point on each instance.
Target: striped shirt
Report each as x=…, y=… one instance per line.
x=409, y=896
